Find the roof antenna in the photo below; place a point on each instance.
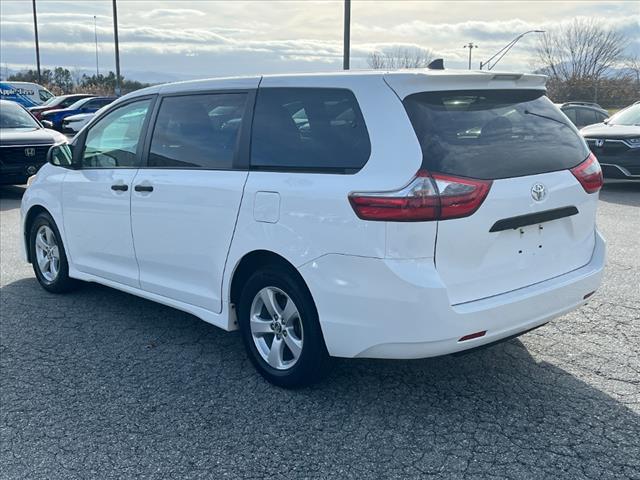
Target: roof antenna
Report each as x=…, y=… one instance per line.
x=437, y=64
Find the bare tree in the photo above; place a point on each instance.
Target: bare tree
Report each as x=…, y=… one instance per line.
x=579, y=55
x=400, y=57
x=633, y=66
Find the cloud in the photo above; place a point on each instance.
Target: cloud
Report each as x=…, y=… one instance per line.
x=235, y=37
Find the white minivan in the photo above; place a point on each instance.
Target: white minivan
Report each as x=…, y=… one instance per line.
x=378, y=214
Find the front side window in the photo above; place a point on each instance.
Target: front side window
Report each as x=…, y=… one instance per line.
x=112, y=142
x=197, y=131
x=492, y=134
x=316, y=129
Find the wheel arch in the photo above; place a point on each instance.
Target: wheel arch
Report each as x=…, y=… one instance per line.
x=32, y=213
x=252, y=261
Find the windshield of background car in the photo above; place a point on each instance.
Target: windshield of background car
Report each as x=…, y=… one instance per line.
x=78, y=104
x=492, y=134
x=628, y=116
x=13, y=115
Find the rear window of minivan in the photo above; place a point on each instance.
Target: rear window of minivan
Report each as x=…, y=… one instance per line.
x=493, y=134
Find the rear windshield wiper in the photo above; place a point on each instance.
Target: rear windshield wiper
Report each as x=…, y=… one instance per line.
x=527, y=112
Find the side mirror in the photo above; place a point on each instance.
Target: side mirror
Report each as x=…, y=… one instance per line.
x=60, y=155
x=605, y=121
x=47, y=123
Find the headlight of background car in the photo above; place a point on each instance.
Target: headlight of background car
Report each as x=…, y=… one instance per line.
x=634, y=142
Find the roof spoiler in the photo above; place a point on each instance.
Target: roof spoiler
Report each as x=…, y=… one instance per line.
x=437, y=64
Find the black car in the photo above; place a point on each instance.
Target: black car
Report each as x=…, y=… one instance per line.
x=582, y=114
x=616, y=143
x=24, y=143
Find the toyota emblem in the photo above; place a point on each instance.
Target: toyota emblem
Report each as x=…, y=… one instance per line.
x=538, y=192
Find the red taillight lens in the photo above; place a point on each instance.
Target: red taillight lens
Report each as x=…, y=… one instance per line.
x=426, y=197
x=460, y=197
x=589, y=174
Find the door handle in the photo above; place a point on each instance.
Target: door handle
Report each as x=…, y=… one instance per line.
x=143, y=188
x=120, y=187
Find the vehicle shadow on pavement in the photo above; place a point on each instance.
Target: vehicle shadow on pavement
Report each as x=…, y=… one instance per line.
x=99, y=380
x=623, y=193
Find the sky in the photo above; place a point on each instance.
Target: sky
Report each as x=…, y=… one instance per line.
x=180, y=39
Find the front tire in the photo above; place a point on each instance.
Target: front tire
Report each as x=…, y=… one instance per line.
x=48, y=256
x=280, y=329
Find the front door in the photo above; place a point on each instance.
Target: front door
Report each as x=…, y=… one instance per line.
x=97, y=195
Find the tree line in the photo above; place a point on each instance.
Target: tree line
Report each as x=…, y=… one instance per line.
x=61, y=81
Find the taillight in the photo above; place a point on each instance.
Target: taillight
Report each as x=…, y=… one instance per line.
x=427, y=197
x=589, y=174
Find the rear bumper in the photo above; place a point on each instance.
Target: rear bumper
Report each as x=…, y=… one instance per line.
x=381, y=308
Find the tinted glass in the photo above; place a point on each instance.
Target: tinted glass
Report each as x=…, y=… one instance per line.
x=586, y=117
x=97, y=103
x=309, y=129
x=571, y=113
x=113, y=141
x=490, y=134
x=197, y=131
x=69, y=101
x=13, y=115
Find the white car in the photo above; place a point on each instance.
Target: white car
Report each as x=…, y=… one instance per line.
x=363, y=214
x=74, y=123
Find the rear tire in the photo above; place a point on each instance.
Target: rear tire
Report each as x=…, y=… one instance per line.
x=280, y=329
x=48, y=257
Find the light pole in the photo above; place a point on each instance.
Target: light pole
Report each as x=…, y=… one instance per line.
x=115, y=38
x=470, y=46
x=95, y=34
x=35, y=28
x=347, y=35
x=503, y=51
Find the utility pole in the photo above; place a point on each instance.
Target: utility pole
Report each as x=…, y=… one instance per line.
x=95, y=34
x=347, y=34
x=35, y=28
x=470, y=46
x=115, y=37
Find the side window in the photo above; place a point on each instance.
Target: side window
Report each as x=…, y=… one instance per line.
x=571, y=113
x=601, y=117
x=197, y=131
x=44, y=95
x=586, y=117
x=319, y=129
x=112, y=142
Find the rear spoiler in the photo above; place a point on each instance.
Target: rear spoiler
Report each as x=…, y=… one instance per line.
x=405, y=83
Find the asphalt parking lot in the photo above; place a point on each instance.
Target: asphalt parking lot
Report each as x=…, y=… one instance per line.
x=100, y=384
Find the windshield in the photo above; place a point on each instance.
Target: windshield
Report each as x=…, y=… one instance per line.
x=13, y=115
x=491, y=134
x=79, y=103
x=628, y=116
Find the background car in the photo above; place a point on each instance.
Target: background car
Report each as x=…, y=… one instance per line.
x=73, y=124
x=23, y=143
x=26, y=94
x=582, y=114
x=54, y=103
x=86, y=105
x=616, y=143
